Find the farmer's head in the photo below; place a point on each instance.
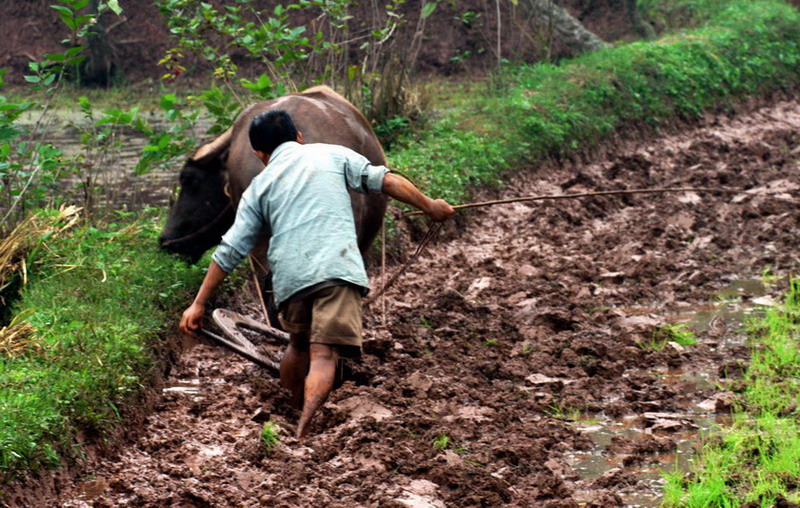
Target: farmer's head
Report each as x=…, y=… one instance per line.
x=270, y=129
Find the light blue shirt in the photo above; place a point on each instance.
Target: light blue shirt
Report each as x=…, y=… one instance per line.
x=302, y=196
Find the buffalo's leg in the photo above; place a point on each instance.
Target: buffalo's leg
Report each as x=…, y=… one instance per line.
x=319, y=383
x=294, y=367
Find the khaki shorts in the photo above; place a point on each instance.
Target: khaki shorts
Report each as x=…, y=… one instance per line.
x=330, y=316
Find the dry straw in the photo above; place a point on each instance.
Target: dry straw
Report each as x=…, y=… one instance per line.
x=15, y=247
x=19, y=336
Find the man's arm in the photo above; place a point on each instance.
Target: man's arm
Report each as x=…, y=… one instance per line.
x=192, y=319
x=402, y=190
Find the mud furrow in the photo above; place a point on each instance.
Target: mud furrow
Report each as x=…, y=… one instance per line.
x=492, y=343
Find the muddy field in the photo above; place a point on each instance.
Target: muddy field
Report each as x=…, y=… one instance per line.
x=526, y=340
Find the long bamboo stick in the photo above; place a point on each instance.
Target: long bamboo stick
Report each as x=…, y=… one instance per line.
x=581, y=195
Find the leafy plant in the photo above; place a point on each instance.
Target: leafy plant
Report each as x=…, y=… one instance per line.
x=30, y=168
x=677, y=332
x=270, y=435
x=441, y=442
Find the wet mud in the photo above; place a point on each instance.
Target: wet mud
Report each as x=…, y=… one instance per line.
x=515, y=364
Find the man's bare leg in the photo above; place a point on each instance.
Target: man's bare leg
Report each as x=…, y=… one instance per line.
x=319, y=383
x=294, y=367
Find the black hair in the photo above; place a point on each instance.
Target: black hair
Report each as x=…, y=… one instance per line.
x=270, y=129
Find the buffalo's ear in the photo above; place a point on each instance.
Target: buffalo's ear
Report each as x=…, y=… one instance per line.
x=216, y=150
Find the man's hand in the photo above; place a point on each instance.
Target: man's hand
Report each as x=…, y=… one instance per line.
x=402, y=190
x=440, y=210
x=192, y=319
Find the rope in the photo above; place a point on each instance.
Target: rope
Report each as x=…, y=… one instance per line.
x=581, y=195
x=253, y=262
x=436, y=226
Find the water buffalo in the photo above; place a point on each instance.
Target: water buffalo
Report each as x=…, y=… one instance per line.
x=214, y=178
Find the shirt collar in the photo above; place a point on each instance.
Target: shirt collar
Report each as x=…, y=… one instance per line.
x=286, y=145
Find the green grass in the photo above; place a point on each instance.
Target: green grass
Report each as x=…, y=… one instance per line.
x=102, y=300
x=270, y=436
x=757, y=459
x=749, y=47
x=679, y=333
x=441, y=442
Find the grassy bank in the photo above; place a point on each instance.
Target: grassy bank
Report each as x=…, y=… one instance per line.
x=97, y=304
x=755, y=462
x=746, y=48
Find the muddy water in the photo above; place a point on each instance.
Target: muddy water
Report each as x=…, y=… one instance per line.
x=733, y=305
x=110, y=171
x=496, y=338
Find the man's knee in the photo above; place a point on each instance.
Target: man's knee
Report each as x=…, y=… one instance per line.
x=324, y=352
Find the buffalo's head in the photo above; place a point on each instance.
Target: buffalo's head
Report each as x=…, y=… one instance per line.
x=202, y=213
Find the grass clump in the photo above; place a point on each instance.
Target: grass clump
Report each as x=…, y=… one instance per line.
x=679, y=333
x=756, y=461
x=270, y=436
x=97, y=305
x=441, y=442
x=556, y=110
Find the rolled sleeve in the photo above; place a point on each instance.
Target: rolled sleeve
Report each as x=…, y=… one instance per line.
x=373, y=178
x=241, y=237
x=362, y=176
x=227, y=257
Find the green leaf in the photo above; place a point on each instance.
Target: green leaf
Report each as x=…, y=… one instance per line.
x=32, y=79
x=428, y=9
x=67, y=17
x=114, y=6
x=73, y=51
x=168, y=101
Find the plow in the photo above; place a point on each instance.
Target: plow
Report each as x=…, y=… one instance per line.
x=232, y=325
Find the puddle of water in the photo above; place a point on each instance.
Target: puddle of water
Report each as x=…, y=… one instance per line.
x=695, y=381
x=91, y=489
x=187, y=386
x=732, y=306
x=647, y=493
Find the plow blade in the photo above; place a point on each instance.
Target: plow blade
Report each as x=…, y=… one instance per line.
x=230, y=322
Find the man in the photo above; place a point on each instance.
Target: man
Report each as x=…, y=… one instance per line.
x=318, y=273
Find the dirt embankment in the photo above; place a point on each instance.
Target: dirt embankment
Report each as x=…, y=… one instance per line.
x=460, y=37
x=496, y=339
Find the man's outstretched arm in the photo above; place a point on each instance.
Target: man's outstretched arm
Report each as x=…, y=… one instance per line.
x=402, y=190
x=192, y=319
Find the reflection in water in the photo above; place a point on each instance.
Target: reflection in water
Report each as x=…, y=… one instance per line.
x=647, y=491
x=90, y=489
x=106, y=180
x=189, y=387
x=732, y=307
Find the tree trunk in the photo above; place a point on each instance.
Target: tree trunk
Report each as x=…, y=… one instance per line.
x=640, y=26
x=100, y=65
x=568, y=29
